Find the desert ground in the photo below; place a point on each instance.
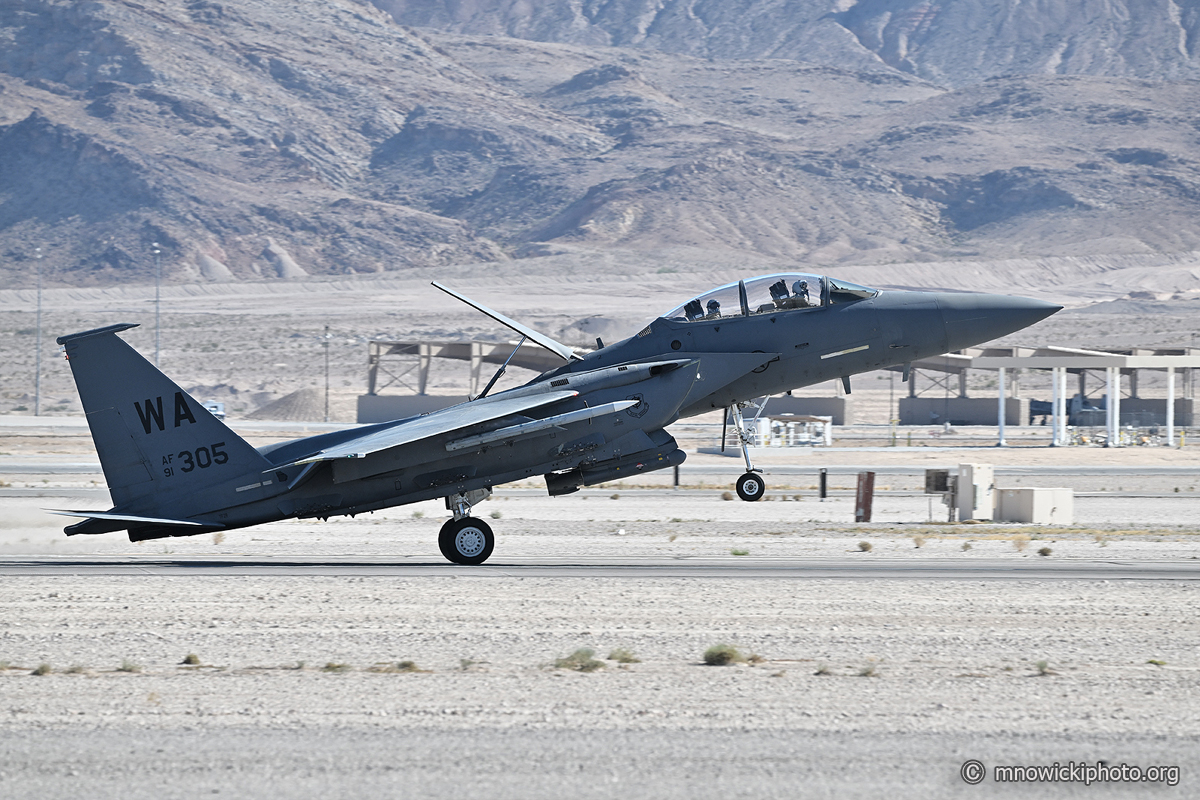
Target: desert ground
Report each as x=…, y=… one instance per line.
x=340, y=681
x=850, y=685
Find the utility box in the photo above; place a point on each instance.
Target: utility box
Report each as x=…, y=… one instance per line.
x=937, y=481
x=943, y=482
x=1044, y=506
x=976, y=492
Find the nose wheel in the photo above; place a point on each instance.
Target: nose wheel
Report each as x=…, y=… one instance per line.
x=466, y=541
x=750, y=487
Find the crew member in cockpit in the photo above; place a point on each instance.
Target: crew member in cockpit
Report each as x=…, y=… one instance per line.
x=714, y=309
x=800, y=294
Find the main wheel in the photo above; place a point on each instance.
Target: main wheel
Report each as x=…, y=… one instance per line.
x=750, y=486
x=466, y=541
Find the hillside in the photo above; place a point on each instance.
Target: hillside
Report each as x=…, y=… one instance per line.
x=953, y=44
x=271, y=141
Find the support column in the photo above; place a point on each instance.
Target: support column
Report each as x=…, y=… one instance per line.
x=1170, y=406
x=424, y=356
x=1054, y=407
x=1117, y=406
x=1112, y=405
x=1063, y=417
x=962, y=383
x=476, y=365
x=1000, y=421
x=373, y=351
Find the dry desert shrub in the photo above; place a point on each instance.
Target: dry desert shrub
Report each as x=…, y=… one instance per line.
x=42, y=669
x=623, y=655
x=864, y=546
x=582, y=660
x=722, y=655
x=394, y=667
x=1020, y=541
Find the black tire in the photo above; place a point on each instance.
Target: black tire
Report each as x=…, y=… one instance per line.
x=466, y=541
x=750, y=487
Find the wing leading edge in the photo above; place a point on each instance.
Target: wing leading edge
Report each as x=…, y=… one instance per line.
x=446, y=420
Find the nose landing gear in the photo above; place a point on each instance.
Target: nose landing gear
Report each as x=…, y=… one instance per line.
x=466, y=539
x=750, y=487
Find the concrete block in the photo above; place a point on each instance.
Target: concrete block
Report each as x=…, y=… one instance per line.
x=1043, y=506
x=387, y=407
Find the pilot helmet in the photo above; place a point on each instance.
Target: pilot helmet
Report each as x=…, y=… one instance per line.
x=800, y=287
x=713, y=306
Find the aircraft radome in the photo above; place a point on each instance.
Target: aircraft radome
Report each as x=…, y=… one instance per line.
x=173, y=469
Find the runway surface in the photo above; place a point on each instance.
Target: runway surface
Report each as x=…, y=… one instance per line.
x=867, y=567
x=58, y=465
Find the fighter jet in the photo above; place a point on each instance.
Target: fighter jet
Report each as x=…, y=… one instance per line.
x=174, y=469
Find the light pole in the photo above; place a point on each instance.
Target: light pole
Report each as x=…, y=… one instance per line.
x=326, y=344
x=154, y=248
x=37, y=380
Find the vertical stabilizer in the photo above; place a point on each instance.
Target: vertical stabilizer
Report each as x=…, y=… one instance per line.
x=151, y=435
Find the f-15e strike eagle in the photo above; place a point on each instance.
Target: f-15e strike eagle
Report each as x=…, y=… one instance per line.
x=173, y=469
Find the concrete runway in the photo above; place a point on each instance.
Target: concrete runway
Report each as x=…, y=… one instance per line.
x=60, y=465
x=864, y=568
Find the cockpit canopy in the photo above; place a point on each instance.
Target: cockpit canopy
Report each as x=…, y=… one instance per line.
x=770, y=294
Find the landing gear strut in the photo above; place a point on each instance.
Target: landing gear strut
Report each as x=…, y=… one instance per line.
x=466, y=539
x=750, y=487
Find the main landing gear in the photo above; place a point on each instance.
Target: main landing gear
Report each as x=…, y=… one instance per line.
x=466, y=539
x=750, y=487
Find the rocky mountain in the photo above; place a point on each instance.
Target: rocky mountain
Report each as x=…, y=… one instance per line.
x=953, y=43
x=269, y=140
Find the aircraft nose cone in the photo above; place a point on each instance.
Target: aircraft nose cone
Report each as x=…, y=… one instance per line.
x=972, y=319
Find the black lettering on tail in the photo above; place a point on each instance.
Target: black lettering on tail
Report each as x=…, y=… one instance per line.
x=182, y=411
x=155, y=413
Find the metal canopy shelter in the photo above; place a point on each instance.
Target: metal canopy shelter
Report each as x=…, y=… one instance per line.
x=1061, y=360
x=529, y=356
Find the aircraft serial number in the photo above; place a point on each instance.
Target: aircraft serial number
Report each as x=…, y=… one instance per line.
x=202, y=457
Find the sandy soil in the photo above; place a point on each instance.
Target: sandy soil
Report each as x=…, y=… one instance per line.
x=862, y=684
x=951, y=666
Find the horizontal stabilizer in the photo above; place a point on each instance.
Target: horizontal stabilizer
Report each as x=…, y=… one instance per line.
x=134, y=520
x=436, y=423
x=527, y=428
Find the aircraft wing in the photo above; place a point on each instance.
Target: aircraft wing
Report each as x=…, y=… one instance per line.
x=438, y=422
x=109, y=516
